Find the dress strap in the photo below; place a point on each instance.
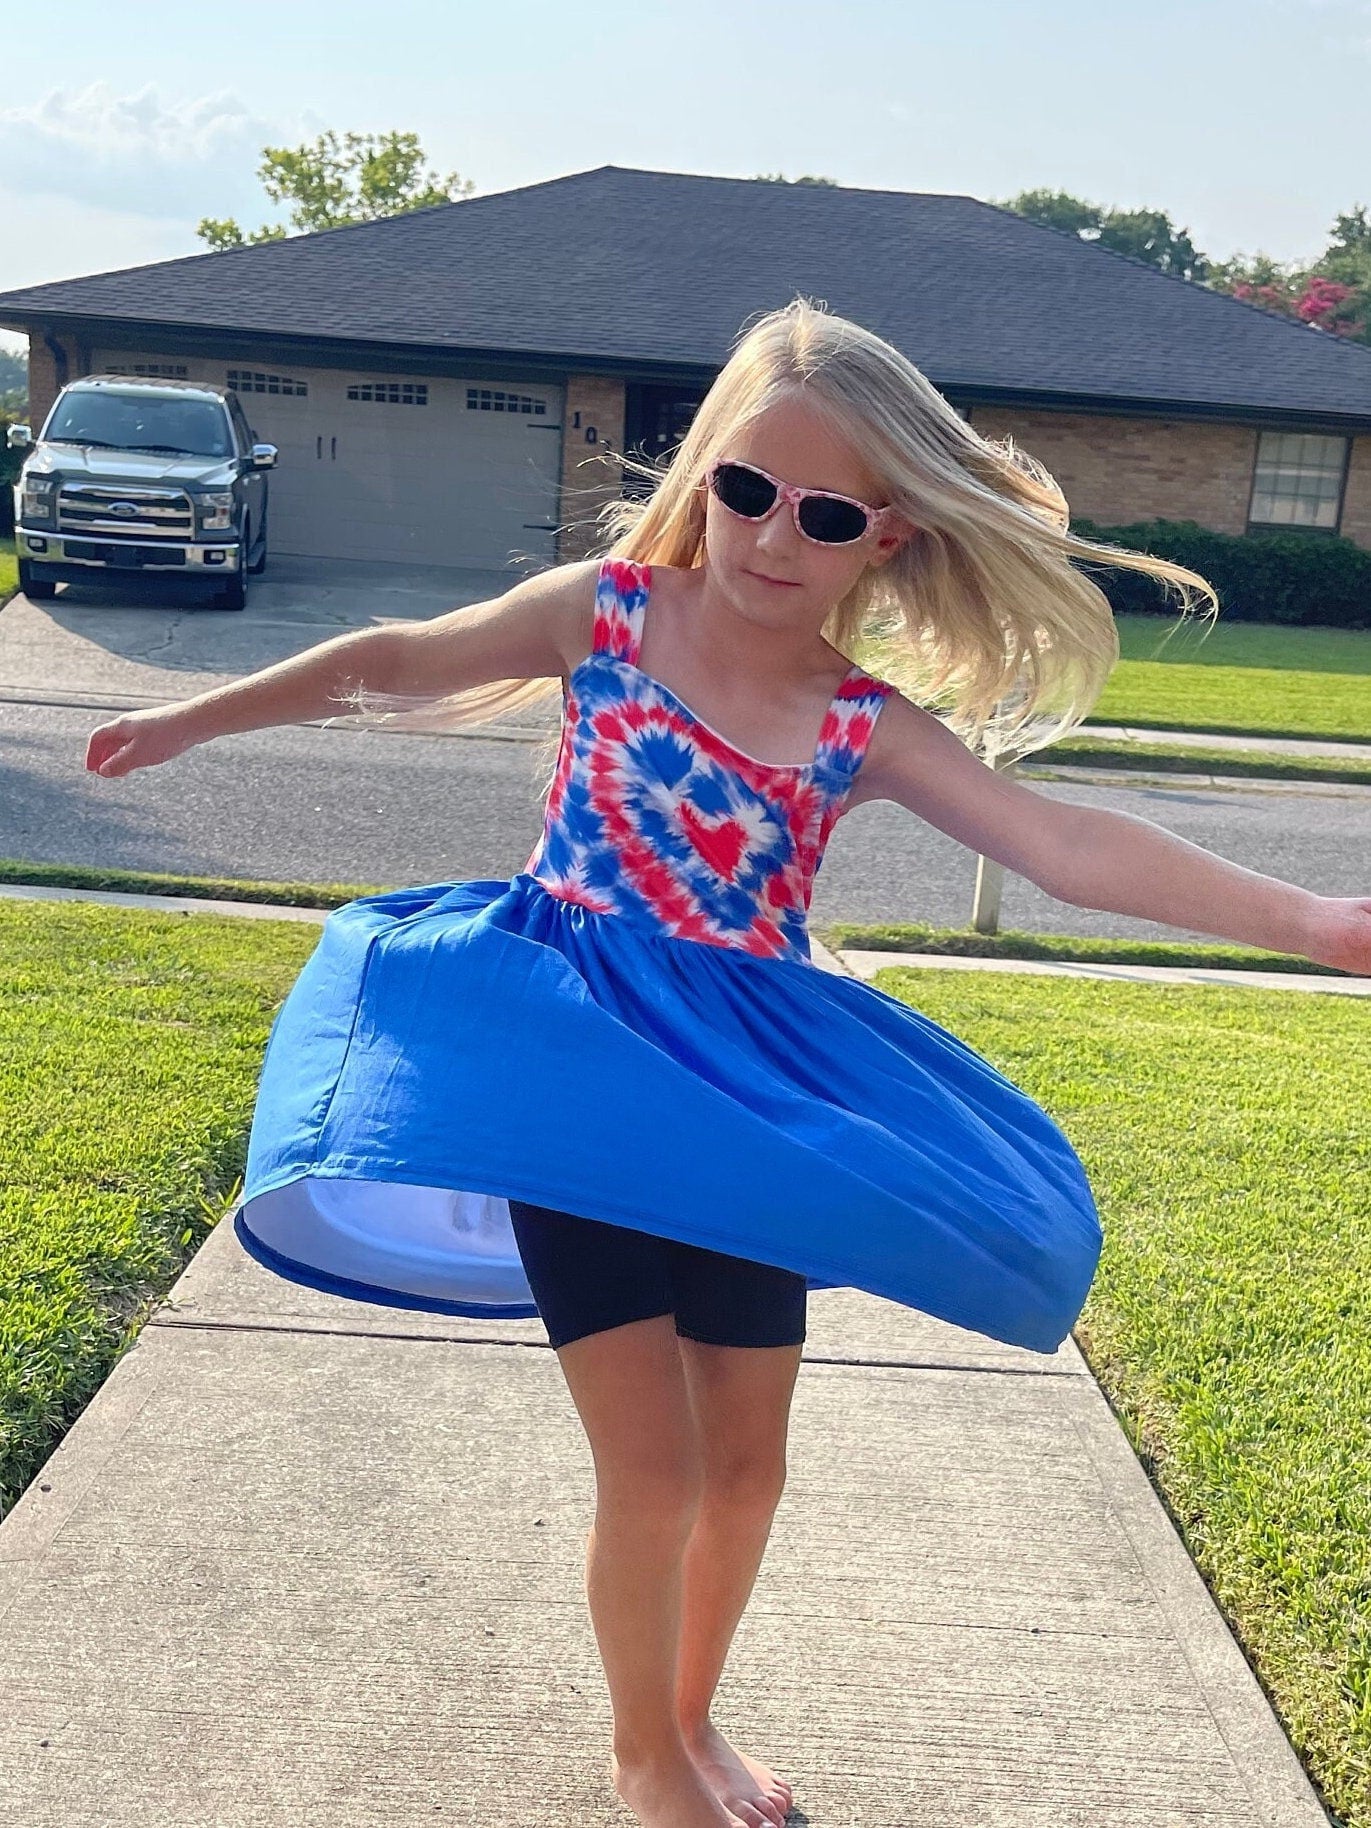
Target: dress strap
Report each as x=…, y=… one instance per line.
x=851, y=723
x=620, y=598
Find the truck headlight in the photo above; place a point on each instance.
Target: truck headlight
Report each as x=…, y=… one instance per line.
x=36, y=498
x=216, y=510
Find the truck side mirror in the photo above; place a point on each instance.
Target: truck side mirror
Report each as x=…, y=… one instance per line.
x=19, y=437
x=264, y=456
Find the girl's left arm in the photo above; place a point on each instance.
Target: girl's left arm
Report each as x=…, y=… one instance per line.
x=1093, y=858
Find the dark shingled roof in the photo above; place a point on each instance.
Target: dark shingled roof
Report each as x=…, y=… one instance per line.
x=641, y=268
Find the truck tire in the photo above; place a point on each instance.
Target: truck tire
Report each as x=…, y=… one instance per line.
x=234, y=594
x=37, y=589
x=259, y=565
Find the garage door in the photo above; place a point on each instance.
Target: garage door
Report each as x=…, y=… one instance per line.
x=418, y=469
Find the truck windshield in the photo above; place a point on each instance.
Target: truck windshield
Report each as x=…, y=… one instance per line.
x=142, y=422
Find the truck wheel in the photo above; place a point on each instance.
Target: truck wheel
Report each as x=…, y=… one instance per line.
x=37, y=589
x=234, y=594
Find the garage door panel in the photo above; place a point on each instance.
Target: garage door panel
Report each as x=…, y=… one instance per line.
x=409, y=468
x=406, y=472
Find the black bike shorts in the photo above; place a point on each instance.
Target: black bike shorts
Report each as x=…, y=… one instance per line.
x=587, y=1276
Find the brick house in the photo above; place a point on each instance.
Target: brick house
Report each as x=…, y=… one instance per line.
x=452, y=386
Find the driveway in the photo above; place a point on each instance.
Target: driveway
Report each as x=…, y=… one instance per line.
x=100, y=644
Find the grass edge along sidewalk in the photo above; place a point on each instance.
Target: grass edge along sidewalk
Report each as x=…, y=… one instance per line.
x=909, y=936
x=1237, y=1379
x=1082, y=751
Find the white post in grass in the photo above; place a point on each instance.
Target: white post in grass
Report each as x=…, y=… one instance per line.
x=985, y=902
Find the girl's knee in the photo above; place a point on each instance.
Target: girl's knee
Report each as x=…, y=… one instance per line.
x=751, y=1482
x=663, y=1501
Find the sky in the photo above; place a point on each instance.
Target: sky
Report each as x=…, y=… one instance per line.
x=1247, y=120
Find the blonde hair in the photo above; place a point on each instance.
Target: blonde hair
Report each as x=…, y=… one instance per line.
x=982, y=615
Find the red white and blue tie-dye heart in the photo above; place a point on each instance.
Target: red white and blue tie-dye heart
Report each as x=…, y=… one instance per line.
x=655, y=816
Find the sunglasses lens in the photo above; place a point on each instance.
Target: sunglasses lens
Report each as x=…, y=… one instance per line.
x=743, y=490
x=835, y=523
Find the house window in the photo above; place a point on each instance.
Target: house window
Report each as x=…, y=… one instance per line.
x=253, y=381
x=1298, y=480
x=495, y=400
x=390, y=393
x=171, y=371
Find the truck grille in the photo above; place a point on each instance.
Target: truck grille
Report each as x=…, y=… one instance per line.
x=161, y=513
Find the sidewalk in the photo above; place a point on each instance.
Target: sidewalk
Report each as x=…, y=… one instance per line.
x=310, y=1563
x=1208, y=739
x=307, y=1562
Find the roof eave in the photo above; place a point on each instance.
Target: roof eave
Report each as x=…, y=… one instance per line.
x=383, y=351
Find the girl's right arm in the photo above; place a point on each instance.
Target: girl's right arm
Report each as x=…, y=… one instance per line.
x=538, y=629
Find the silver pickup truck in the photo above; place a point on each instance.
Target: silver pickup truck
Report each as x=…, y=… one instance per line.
x=147, y=476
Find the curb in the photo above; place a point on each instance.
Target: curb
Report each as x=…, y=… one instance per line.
x=1105, y=776
x=867, y=964
x=1223, y=739
x=850, y=962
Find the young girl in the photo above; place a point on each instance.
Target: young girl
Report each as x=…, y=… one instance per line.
x=614, y=1091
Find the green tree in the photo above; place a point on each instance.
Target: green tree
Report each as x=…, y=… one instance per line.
x=779, y=177
x=14, y=383
x=330, y=185
x=1059, y=210
x=1348, y=254
x=1332, y=292
x=1151, y=236
x=1148, y=235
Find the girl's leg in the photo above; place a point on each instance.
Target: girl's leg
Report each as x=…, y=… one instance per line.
x=629, y=1388
x=740, y=1397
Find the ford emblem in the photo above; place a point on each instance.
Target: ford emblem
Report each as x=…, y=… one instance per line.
x=124, y=509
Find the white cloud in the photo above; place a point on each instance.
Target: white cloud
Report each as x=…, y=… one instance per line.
x=137, y=154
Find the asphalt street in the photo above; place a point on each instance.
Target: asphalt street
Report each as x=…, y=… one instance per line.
x=303, y=803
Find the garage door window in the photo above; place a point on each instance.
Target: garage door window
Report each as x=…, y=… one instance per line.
x=390, y=393
x=171, y=371
x=254, y=381
x=493, y=400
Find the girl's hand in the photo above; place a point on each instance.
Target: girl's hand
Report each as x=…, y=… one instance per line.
x=1340, y=935
x=138, y=739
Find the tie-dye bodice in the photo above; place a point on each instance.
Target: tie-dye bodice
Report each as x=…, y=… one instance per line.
x=654, y=816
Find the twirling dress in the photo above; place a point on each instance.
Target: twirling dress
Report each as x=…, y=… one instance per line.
x=631, y=1029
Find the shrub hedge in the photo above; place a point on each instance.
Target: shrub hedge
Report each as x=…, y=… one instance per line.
x=11, y=462
x=1318, y=579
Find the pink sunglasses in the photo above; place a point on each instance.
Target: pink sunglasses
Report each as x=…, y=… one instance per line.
x=820, y=516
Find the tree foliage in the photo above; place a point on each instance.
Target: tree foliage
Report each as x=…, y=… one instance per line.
x=1144, y=234
x=14, y=383
x=779, y=177
x=331, y=184
x=1332, y=293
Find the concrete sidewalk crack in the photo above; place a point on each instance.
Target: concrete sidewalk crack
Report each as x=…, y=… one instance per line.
x=229, y=1325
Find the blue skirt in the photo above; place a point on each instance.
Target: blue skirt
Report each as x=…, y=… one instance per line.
x=445, y=1048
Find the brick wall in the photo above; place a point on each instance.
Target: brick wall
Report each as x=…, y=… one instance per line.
x=590, y=474
x=44, y=381
x=1356, y=503
x=1116, y=470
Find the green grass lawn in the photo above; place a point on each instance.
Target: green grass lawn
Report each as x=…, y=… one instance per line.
x=1245, y=678
x=1237, y=678
x=1226, y=1136
x=9, y=567
x=129, y=1049
x=1225, y=1133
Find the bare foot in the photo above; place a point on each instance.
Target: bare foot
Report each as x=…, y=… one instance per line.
x=672, y=1793
x=741, y=1783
